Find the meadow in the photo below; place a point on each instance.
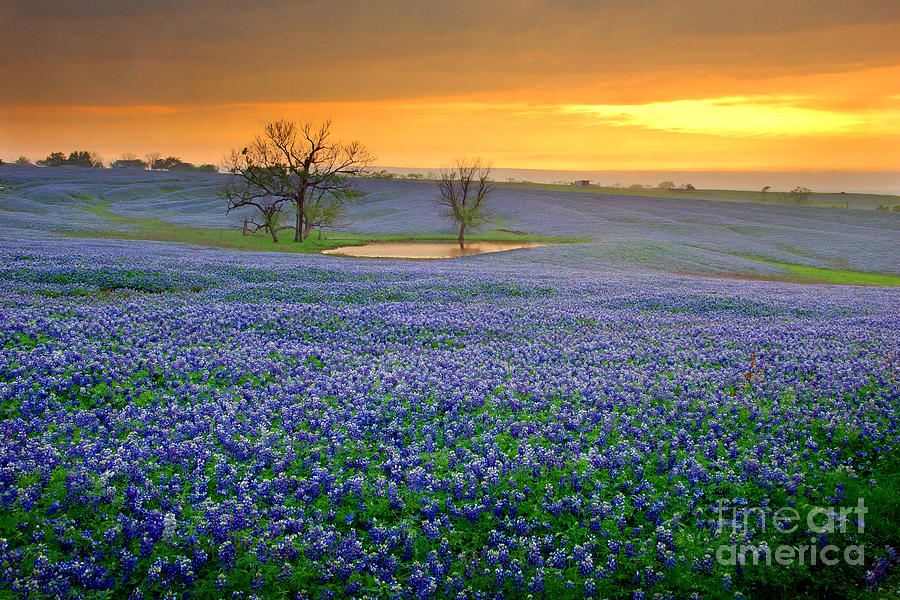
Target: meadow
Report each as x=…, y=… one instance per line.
x=609, y=231
x=569, y=421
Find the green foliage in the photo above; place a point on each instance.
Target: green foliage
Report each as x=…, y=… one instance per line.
x=163, y=231
x=166, y=163
x=76, y=158
x=24, y=341
x=294, y=164
x=799, y=196
x=823, y=199
x=463, y=191
x=55, y=159
x=83, y=158
x=382, y=174
x=190, y=168
x=323, y=213
x=93, y=502
x=805, y=274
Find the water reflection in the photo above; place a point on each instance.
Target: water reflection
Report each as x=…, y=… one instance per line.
x=425, y=250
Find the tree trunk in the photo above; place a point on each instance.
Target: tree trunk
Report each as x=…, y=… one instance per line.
x=274, y=233
x=462, y=232
x=298, y=231
x=320, y=234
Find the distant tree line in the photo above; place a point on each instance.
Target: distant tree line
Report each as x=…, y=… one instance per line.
x=385, y=174
x=173, y=163
x=76, y=158
x=668, y=186
x=87, y=159
x=155, y=162
x=798, y=196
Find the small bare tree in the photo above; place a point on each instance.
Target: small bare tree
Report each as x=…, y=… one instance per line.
x=463, y=189
x=270, y=211
x=151, y=158
x=800, y=195
x=295, y=163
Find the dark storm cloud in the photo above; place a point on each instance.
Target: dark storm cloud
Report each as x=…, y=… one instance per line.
x=232, y=51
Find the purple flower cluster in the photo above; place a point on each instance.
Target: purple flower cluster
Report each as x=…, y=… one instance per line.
x=318, y=429
x=883, y=565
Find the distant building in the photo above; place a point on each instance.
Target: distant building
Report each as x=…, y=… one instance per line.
x=582, y=182
x=129, y=164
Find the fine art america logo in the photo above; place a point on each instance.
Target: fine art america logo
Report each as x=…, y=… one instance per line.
x=818, y=521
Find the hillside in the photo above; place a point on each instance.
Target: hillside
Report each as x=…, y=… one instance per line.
x=615, y=231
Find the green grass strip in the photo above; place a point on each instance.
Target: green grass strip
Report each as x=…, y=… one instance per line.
x=145, y=228
x=804, y=274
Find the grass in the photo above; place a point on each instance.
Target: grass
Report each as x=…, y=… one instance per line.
x=882, y=528
x=816, y=199
x=805, y=274
x=144, y=228
x=493, y=235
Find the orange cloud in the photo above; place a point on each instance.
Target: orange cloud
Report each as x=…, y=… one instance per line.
x=826, y=121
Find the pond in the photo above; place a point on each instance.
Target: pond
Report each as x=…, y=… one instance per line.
x=425, y=250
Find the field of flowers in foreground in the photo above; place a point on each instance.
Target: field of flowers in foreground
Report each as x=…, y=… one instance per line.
x=182, y=425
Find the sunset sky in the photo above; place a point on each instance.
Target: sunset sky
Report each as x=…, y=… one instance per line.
x=621, y=84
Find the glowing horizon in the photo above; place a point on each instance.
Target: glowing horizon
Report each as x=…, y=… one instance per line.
x=738, y=89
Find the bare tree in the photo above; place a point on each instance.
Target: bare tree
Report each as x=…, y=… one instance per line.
x=97, y=161
x=295, y=163
x=463, y=189
x=800, y=195
x=152, y=158
x=270, y=211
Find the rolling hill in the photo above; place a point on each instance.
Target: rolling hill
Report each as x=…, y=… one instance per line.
x=612, y=232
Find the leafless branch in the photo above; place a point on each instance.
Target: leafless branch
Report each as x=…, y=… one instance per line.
x=296, y=164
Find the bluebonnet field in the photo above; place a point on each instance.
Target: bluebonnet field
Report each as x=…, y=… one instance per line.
x=626, y=232
x=187, y=423
x=180, y=422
